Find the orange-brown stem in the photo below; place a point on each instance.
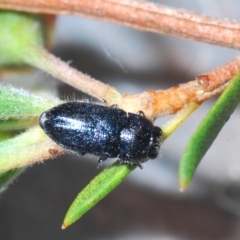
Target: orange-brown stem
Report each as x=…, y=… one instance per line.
x=141, y=15
x=170, y=101
x=220, y=75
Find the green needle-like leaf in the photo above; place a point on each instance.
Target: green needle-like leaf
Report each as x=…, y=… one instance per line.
x=19, y=104
x=16, y=124
x=22, y=150
x=8, y=176
x=20, y=109
x=96, y=190
x=207, y=131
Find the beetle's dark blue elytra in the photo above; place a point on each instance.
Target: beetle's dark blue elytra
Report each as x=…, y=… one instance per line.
x=107, y=132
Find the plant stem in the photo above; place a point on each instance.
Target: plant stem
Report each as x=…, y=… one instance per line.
x=160, y=103
x=140, y=15
x=24, y=150
x=220, y=75
x=44, y=60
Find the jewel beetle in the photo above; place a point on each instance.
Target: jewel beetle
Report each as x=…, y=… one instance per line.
x=108, y=132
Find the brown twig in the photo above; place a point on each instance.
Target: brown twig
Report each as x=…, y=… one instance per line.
x=220, y=75
x=141, y=15
x=170, y=101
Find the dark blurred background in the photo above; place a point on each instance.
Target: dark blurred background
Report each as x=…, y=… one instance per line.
x=148, y=205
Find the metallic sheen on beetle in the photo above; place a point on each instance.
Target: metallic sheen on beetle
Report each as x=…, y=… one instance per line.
x=108, y=132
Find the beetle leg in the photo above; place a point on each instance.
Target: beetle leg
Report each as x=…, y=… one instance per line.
x=140, y=165
x=102, y=158
x=141, y=113
x=81, y=153
x=131, y=163
x=114, y=106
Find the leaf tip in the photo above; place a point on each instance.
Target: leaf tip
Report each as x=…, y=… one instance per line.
x=183, y=185
x=64, y=226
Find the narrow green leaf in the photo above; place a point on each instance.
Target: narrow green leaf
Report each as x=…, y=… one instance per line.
x=207, y=131
x=19, y=104
x=5, y=135
x=8, y=176
x=19, y=110
x=17, y=124
x=22, y=149
x=18, y=31
x=30, y=137
x=96, y=190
